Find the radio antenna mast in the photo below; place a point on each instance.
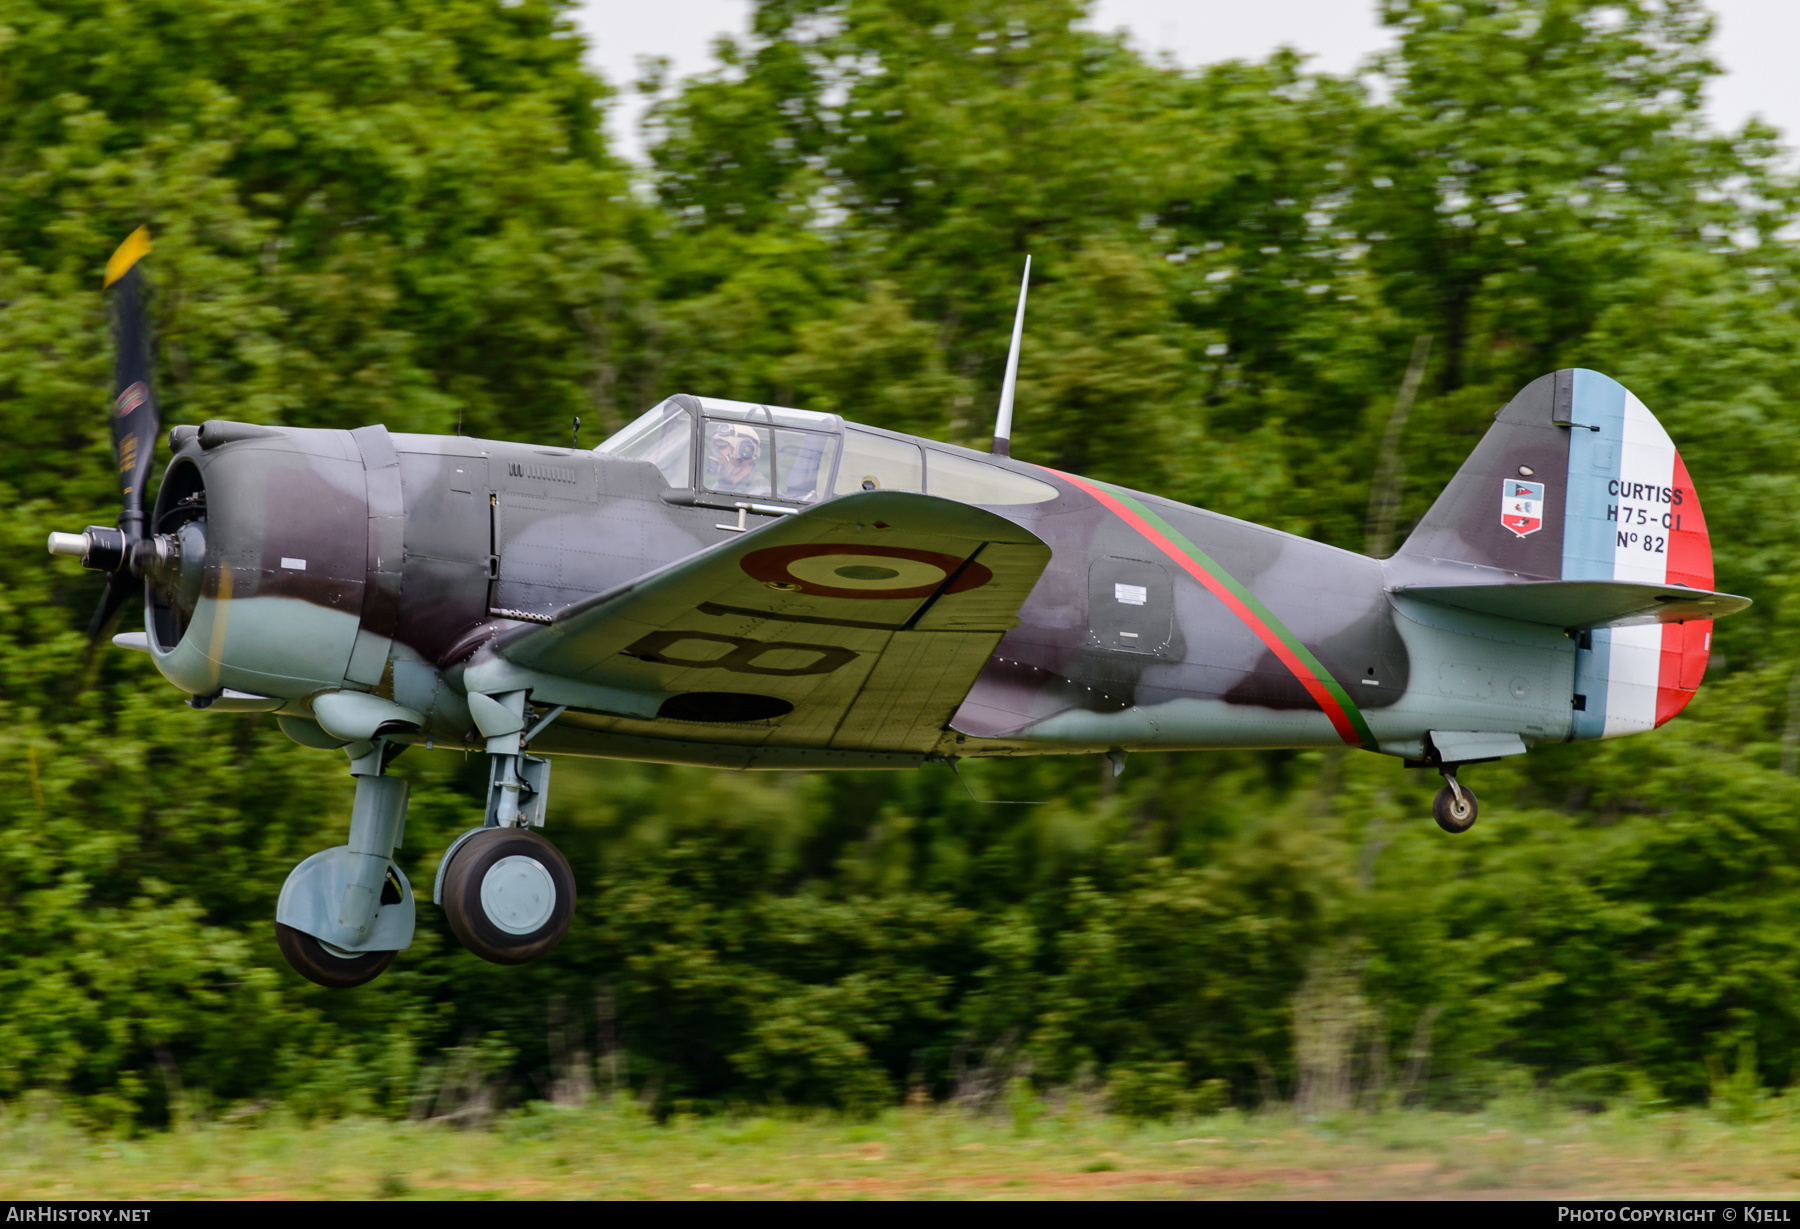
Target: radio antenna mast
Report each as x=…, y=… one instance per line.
x=1003, y=424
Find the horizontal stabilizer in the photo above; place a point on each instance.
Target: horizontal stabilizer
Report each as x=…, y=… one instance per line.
x=1581, y=604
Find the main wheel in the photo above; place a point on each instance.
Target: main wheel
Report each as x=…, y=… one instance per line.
x=509, y=895
x=318, y=962
x=1455, y=814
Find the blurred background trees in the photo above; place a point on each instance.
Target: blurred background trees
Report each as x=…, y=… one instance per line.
x=406, y=213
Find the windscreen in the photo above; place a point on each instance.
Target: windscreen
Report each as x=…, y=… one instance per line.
x=663, y=436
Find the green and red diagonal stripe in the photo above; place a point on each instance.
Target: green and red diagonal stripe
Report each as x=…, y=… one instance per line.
x=1345, y=717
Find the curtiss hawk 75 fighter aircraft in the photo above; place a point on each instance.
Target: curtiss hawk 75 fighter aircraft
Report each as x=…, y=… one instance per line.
x=751, y=586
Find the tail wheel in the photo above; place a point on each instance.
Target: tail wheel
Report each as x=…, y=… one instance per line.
x=327, y=966
x=509, y=895
x=1454, y=814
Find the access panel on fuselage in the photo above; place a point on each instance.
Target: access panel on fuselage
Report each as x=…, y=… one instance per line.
x=448, y=548
x=546, y=531
x=1131, y=605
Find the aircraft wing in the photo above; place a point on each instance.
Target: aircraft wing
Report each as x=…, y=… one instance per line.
x=858, y=624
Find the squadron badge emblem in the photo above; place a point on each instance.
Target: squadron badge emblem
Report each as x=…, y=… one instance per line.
x=1522, y=506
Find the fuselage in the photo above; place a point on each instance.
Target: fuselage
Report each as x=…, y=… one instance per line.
x=384, y=562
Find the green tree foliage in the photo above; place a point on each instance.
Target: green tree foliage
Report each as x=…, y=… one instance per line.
x=405, y=212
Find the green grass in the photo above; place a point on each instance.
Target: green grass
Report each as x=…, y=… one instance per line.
x=615, y=1151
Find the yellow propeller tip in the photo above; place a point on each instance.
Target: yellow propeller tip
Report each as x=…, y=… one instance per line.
x=134, y=249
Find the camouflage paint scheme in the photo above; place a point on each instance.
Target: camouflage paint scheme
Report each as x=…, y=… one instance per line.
x=418, y=569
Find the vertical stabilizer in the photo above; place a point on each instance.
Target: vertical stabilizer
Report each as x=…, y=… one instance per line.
x=1577, y=480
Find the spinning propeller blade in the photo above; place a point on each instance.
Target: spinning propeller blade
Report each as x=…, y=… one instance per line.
x=135, y=425
x=118, y=588
x=135, y=422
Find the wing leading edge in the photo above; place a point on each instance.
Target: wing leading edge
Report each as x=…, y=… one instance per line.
x=858, y=625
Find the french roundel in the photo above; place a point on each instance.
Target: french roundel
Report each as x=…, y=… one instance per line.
x=822, y=569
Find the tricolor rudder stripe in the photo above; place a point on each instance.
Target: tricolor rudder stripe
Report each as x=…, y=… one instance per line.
x=1331, y=697
x=1632, y=515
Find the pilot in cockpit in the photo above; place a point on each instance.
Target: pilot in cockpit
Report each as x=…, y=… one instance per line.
x=732, y=453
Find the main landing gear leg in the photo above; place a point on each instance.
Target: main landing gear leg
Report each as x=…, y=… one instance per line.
x=1455, y=807
x=507, y=892
x=345, y=912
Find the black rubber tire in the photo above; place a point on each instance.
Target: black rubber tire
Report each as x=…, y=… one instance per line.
x=315, y=964
x=462, y=895
x=1449, y=816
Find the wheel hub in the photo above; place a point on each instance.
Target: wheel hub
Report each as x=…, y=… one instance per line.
x=518, y=895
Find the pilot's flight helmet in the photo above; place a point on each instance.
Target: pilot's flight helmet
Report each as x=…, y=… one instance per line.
x=733, y=442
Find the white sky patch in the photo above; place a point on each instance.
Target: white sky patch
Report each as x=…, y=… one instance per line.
x=1753, y=41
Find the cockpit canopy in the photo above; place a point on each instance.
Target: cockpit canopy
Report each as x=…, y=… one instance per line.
x=795, y=457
